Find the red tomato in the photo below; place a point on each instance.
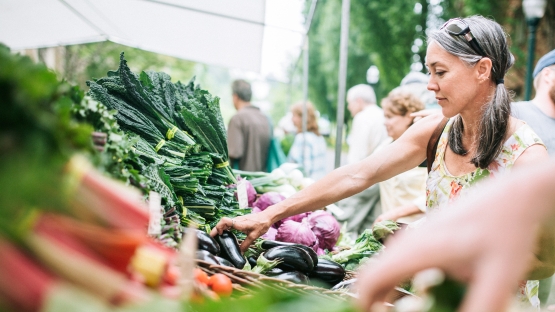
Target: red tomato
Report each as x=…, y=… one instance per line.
x=201, y=276
x=221, y=284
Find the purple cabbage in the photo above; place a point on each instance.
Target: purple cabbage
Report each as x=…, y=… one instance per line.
x=296, y=218
x=298, y=233
x=325, y=227
x=268, y=199
x=271, y=234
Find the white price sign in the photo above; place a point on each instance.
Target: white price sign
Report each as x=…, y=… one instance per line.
x=242, y=194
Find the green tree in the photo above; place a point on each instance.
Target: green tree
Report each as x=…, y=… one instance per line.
x=381, y=33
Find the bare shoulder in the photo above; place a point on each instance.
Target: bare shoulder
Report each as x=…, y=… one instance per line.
x=514, y=125
x=534, y=154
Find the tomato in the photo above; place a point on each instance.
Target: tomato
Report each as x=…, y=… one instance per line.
x=201, y=276
x=221, y=284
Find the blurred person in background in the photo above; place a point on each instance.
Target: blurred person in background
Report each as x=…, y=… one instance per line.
x=248, y=133
x=417, y=83
x=366, y=134
x=313, y=160
x=403, y=197
x=539, y=113
x=367, y=130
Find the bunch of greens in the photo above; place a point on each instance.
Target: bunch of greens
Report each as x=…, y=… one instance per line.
x=365, y=246
x=165, y=137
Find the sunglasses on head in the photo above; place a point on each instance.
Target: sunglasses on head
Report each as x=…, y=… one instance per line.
x=458, y=27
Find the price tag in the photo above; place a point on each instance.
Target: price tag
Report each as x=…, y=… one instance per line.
x=155, y=214
x=242, y=194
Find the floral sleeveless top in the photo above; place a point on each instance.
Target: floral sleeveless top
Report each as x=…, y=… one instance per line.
x=442, y=187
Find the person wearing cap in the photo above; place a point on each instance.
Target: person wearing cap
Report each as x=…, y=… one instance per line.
x=539, y=113
x=478, y=141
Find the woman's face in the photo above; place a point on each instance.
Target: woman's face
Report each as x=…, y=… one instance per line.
x=454, y=83
x=396, y=124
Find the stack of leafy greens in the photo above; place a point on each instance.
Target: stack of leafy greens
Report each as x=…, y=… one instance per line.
x=166, y=137
x=352, y=254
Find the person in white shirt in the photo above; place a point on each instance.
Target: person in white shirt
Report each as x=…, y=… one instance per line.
x=367, y=132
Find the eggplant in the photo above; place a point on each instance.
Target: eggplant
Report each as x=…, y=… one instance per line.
x=206, y=242
x=294, y=259
x=328, y=272
x=224, y=262
x=268, y=244
x=293, y=276
x=207, y=257
x=229, y=248
x=274, y=272
x=252, y=261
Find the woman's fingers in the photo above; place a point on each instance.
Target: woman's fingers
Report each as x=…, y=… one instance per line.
x=223, y=225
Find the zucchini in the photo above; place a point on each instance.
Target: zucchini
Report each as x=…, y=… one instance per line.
x=252, y=261
x=207, y=257
x=230, y=249
x=294, y=259
x=224, y=262
x=274, y=272
x=206, y=242
x=268, y=244
x=293, y=276
x=328, y=272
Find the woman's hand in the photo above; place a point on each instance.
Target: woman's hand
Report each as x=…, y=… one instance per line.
x=254, y=225
x=424, y=113
x=485, y=239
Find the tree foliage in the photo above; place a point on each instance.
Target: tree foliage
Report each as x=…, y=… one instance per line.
x=382, y=33
x=376, y=37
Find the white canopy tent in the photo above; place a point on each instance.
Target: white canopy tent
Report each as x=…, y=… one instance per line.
x=217, y=32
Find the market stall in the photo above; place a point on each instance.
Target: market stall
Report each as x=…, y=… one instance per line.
x=109, y=197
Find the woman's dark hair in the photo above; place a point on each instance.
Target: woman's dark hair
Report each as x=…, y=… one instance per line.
x=496, y=114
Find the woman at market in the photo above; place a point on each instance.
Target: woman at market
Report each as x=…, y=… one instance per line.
x=467, y=60
x=403, y=196
x=313, y=160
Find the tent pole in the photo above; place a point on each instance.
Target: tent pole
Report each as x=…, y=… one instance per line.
x=343, y=52
x=305, y=97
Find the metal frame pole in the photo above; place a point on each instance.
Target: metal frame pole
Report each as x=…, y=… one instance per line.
x=343, y=52
x=532, y=24
x=305, y=97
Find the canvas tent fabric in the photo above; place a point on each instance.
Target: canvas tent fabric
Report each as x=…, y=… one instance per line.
x=216, y=32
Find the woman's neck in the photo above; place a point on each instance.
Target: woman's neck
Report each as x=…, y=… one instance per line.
x=472, y=116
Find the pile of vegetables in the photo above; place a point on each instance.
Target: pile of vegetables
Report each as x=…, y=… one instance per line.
x=285, y=180
x=352, y=254
x=164, y=137
x=296, y=263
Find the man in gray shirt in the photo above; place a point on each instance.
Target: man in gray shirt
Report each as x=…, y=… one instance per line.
x=248, y=133
x=539, y=114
